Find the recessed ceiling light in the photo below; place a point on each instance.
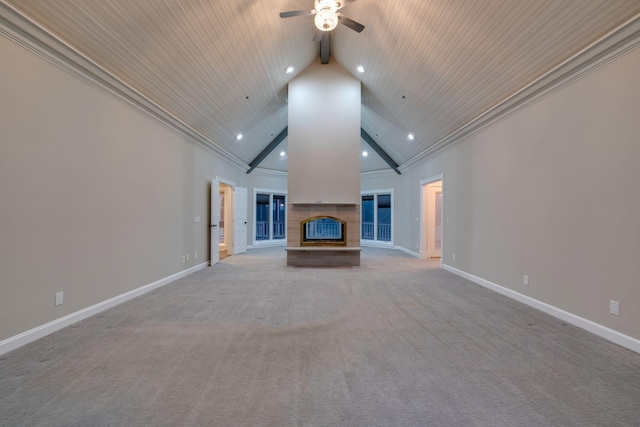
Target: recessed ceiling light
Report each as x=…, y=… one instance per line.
x=365, y=154
x=289, y=70
x=361, y=68
x=282, y=154
x=411, y=137
x=239, y=137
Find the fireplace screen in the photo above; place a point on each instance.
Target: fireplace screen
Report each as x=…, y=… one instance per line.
x=323, y=230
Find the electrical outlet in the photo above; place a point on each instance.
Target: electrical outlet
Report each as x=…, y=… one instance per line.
x=197, y=219
x=453, y=257
x=525, y=280
x=614, y=307
x=59, y=298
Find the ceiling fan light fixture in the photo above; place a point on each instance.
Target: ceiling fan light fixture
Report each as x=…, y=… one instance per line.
x=326, y=19
x=326, y=4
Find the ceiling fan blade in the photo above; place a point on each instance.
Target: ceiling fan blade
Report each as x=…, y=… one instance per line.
x=355, y=26
x=317, y=36
x=343, y=3
x=295, y=13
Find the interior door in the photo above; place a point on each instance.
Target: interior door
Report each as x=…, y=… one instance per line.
x=437, y=251
x=434, y=220
x=215, y=222
x=240, y=223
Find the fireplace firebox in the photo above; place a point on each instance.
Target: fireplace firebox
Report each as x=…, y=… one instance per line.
x=323, y=231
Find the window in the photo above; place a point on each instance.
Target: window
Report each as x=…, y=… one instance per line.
x=270, y=216
x=377, y=216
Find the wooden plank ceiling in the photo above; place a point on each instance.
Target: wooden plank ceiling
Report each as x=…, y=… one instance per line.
x=431, y=66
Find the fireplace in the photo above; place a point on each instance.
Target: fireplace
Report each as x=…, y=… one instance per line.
x=323, y=230
x=323, y=234
x=323, y=184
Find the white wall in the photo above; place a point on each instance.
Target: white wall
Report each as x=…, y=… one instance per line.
x=550, y=192
x=324, y=135
x=96, y=199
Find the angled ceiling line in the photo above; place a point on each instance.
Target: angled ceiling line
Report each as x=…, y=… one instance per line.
x=373, y=144
x=325, y=47
x=268, y=149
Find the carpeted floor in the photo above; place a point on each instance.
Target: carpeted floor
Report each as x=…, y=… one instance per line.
x=251, y=342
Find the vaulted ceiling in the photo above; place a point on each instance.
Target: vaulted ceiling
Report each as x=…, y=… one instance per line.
x=431, y=66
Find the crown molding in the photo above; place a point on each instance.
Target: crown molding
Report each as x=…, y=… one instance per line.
x=270, y=172
x=608, y=48
x=20, y=29
x=381, y=172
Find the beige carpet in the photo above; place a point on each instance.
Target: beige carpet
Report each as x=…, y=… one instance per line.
x=251, y=342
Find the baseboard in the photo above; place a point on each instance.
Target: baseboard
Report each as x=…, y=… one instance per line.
x=369, y=244
x=407, y=251
x=268, y=244
x=19, y=340
x=595, y=328
x=376, y=244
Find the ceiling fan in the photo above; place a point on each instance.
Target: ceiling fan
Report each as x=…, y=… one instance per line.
x=327, y=16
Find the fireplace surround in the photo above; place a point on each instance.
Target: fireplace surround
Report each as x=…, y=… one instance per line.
x=331, y=250
x=324, y=163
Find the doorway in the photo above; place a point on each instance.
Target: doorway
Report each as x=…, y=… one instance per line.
x=228, y=235
x=431, y=224
x=225, y=236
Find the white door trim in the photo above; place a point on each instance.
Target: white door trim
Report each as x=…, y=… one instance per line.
x=214, y=223
x=423, y=225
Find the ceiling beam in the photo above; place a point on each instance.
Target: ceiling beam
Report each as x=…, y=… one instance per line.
x=325, y=47
x=272, y=145
x=387, y=158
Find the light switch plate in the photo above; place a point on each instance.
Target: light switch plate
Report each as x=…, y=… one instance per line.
x=614, y=307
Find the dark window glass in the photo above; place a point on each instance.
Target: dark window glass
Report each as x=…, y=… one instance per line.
x=262, y=217
x=367, y=217
x=384, y=217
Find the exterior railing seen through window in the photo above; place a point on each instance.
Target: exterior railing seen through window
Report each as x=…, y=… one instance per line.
x=384, y=231
x=262, y=230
